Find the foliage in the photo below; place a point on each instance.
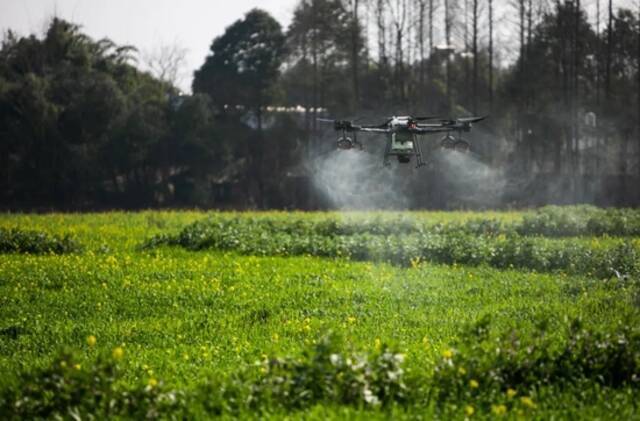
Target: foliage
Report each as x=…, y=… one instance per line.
x=508, y=368
x=65, y=389
x=404, y=240
x=557, y=221
x=244, y=63
x=16, y=240
x=216, y=333
x=81, y=124
x=496, y=374
x=328, y=375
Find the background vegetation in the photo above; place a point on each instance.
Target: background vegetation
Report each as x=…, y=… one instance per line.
x=82, y=127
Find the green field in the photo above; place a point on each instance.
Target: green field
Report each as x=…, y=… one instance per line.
x=321, y=315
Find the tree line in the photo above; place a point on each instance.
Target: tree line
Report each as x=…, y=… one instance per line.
x=82, y=126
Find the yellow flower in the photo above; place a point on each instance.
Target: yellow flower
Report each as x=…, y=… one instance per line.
x=447, y=353
x=77, y=366
x=91, y=340
x=499, y=409
x=469, y=410
x=473, y=383
x=511, y=393
x=415, y=262
x=378, y=344
x=117, y=353
x=152, y=382
x=528, y=402
x=462, y=371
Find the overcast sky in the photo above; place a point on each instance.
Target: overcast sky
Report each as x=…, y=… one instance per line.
x=145, y=24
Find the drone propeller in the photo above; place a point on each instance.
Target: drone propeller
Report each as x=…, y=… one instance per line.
x=471, y=119
x=445, y=121
x=385, y=124
x=426, y=118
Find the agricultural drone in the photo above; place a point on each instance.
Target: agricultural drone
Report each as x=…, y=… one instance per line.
x=402, y=135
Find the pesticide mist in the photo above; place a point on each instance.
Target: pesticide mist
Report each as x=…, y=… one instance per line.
x=471, y=181
x=358, y=180
x=354, y=179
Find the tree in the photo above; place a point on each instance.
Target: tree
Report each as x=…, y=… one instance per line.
x=321, y=40
x=244, y=64
x=491, y=54
x=166, y=63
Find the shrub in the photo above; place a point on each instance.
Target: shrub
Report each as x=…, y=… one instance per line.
x=66, y=390
x=328, y=376
x=473, y=243
x=566, y=221
x=14, y=240
x=490, y=369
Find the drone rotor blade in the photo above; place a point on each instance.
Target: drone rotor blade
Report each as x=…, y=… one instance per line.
x=471, y=119
x=426, y=118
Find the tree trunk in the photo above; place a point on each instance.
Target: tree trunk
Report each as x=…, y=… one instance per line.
x=355, y=52
x=314, y=58
x=475, y=55
x=638, y=87
x=490, y=56
x=447, y=31
x=382, y=39
x=421, y=16
x=607, y=76
x=576, y=96
x=522, y=25
x=431, y=10
x=598, y=55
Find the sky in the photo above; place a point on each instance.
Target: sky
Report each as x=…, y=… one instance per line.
x=145, y=24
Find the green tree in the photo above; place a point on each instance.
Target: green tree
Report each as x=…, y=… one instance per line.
x=244, y=64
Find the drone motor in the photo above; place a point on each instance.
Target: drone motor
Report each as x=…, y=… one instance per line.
x=448, y=142
x=462, y=145
x=345, y=143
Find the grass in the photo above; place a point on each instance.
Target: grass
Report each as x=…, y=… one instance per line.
x=192, y=319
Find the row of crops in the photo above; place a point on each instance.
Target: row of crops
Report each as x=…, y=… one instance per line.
x=579, y=239
x=551, y=239
x=550, y=221
x=488, y=373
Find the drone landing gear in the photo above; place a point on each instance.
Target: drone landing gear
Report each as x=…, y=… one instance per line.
x=386, y=162
x=417, y=150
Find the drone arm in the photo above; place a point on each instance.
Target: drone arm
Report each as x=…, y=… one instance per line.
x=429, y=130
x=373, y=129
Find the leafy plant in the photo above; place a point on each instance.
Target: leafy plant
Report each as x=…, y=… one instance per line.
x=66, y=389
x=16, y=240
x=330, y=376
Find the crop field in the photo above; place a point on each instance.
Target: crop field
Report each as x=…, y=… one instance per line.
x=356, y=315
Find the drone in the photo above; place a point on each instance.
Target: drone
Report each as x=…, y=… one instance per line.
x=402, y=135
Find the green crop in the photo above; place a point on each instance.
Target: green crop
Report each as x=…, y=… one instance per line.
x=321, y=315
